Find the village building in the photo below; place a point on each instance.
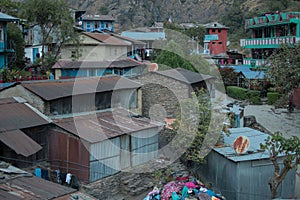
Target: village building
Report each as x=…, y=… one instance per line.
x=268, y=32
x=245, y=172
x=6, y=47
x=92, y=22
x=22, y=132
x=99, y=54
x=167, y=88
x=96, y=128
x=215, y=41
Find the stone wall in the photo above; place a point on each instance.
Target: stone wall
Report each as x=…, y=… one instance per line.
x=161, y=95
x=32, y=99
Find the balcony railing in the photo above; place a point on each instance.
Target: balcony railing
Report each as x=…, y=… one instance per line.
x=268, y=42
x=254, y=63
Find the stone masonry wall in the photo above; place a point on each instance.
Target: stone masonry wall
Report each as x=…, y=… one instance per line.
x=161, y=95
x=32, y=99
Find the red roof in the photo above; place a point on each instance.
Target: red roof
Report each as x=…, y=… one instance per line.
x=106, y=38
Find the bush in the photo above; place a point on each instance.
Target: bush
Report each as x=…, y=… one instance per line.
x=237, y=92
x=255, y=100
x=272, y=97
x=253, y=93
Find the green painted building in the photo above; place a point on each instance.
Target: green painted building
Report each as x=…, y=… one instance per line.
x=268, y=32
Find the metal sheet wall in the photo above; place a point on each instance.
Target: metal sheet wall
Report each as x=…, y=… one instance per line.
x=69, y=154
x=144, y=146
x=244, y=180
x=104, y=158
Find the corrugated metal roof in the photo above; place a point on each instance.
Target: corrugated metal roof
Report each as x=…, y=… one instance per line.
x=106, y=38
x=32, y=188
x=144, y=35
x=184, y=75
x=14, y=115
x=256, y=137
x=70, y=64
x=105, y=125
x=55, y=89
x=247, y=72
x=97, y=17
x=136, y=42
x=20, y=142
x=215, y=25
x=7, y=18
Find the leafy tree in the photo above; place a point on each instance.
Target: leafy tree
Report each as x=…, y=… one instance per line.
x=9, y=7
x=283, y=68
x=278, y=146
x=54, y=18
x=14, y=34
x=103, y=10
x=197, y=128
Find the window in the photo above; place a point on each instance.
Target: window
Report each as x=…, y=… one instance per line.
x=97, y=25
x=213, y=30
x=220, y=43
x=92, y=72
x=219, y=30
x=213, y=42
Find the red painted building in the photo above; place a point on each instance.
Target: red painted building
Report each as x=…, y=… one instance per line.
x=215, y=41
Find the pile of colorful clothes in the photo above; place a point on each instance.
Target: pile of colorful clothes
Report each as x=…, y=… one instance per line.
x=183, y=190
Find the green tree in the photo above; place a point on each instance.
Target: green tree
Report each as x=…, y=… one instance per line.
x=193, y=125
x=103, y=10
x=54, y=18
x=284, y=69
x=278, y=146
x=9, y=7
x=14, y=34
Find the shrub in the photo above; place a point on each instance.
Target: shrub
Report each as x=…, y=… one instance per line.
x=272, y=97
x=253, y=93
x=256, y=100
x=237, y=92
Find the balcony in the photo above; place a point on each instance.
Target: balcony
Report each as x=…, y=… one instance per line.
x=254, y=63
x=6, y=48
x=259, y=43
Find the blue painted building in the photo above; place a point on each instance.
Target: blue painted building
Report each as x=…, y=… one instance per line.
x=6, y=46
x=91, y=23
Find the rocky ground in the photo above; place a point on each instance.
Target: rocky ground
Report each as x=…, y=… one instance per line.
x=136, y=183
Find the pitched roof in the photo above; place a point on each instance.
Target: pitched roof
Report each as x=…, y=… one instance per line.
x=15, y=115
x=7, y=18
x=55, y=89
x=247, y=72
x=106, y=39
x=215, y=25
x=104, y=125
x=144, y=35
x=136, y=42
x=18, y=184
x=70, y=64
x=90, y=17
x=184, y=75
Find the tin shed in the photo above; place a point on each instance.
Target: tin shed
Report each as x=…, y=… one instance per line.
x=103, y=143
x=244, y=176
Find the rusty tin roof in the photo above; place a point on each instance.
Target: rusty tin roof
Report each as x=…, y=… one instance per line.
x=104, y=125
x=15, y=115
x=55, y=89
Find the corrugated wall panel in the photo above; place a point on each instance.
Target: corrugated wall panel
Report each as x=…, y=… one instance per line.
x=104, y=159
x=105, y=167
x=144, y=146
x=125, y=160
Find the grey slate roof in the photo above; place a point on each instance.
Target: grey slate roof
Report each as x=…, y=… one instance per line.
x=215, y=25
x=184, y=75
